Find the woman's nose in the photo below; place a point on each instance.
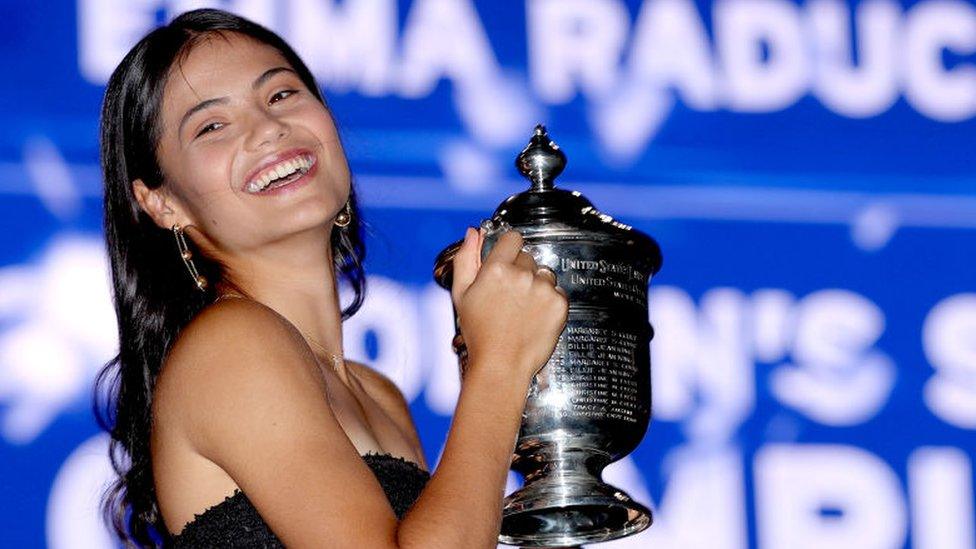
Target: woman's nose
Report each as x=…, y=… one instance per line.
x=267, y=127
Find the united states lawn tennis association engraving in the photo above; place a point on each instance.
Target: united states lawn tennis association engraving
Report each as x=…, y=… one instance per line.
x=621, y=279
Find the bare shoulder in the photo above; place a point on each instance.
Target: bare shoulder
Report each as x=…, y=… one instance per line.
x=221, y=352
x=225, y=330
x=249, y=396
x=236, y=318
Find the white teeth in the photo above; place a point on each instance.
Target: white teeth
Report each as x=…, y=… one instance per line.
x=278, y=171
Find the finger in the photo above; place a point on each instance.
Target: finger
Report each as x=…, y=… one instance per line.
x=465, y=265
x=547, y=273
x=526, y=261
x=480, y=246
x=506, y=248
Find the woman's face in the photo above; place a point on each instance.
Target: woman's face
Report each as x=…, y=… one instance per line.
x=231, y=111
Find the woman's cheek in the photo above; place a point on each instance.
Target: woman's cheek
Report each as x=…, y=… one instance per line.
x=212, y=165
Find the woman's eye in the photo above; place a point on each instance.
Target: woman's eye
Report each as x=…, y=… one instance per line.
x=205, y=129
x=289, y=92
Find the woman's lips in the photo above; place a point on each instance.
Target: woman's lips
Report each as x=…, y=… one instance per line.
x=293, y=185
x=274, y=159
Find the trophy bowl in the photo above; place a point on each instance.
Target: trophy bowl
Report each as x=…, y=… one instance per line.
x=590, y=404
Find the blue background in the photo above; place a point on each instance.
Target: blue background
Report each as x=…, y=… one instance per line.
x=815, y=357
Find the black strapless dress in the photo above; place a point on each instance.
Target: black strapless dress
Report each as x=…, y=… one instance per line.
x=235, y=522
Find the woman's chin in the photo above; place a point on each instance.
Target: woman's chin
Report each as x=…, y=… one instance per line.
x=311, y=210
x=310, y=219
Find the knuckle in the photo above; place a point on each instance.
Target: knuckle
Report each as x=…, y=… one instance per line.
x=495, y=269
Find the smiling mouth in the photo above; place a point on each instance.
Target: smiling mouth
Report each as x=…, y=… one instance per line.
x=283, y=174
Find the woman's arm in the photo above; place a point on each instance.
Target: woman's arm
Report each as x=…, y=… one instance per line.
x=252, y=401
x=511, y=317
x=462, y=504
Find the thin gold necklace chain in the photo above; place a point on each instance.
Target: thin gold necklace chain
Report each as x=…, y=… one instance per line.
x=334, y=358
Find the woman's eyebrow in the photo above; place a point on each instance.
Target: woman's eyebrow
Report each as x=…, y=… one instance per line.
x=219, y=100
x=268, y=74
x=199, y=107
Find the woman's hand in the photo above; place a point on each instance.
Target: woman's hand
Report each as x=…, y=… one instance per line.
x=510, y=311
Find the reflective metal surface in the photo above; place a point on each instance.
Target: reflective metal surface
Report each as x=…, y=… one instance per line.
x=590, y=405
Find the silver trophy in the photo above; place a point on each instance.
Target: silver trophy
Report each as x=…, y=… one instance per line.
x=590, y=404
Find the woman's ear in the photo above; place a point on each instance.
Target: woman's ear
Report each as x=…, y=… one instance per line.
x=158, y=204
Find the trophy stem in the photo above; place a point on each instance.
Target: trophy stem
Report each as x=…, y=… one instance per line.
x=565, y=503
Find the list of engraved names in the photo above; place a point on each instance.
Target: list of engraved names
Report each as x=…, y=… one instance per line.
x=599, y=373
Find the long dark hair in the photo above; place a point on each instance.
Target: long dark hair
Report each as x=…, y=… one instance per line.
x=154, y=295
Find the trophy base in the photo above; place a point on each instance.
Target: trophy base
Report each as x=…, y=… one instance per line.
x=547, y=514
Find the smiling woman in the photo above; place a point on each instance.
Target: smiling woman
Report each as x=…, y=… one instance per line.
x=170, y=158
x=241, y=422
x=255, y=117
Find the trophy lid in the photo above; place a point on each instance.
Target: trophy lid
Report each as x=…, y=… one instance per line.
x=544, y=210
x=541, y=161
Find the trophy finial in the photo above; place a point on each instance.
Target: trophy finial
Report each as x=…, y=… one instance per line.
x=541, y=161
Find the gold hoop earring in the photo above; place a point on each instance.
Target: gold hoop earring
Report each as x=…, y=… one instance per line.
x=187, y=256
x=344, y=217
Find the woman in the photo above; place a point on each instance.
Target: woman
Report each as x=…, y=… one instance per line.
x=229, y=215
